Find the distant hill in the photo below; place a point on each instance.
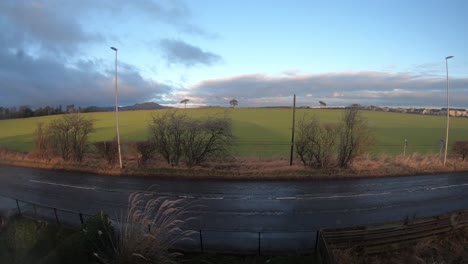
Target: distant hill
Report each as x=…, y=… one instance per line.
x=142, y=106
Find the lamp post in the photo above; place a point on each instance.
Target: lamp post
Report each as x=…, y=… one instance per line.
x=448, y=110
x=117, y=108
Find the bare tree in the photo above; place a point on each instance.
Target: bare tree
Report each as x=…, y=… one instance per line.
x=166, y=133
x=356, y=137
x=316, y=144
x=233, y=103
x=206, y=139
x=177, y=137
x=185, y=101
x=145, y=151
x=461, y=148
x=41, y=138
x=107, y=150
x=69, y=136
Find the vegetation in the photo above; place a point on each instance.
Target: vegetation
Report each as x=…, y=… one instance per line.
x=176, y=136
x=233, y=103
x=317, y=144
x=461, y=148
x=66, y=136
x=107, y=150
x=447, y=248
x=260, y=132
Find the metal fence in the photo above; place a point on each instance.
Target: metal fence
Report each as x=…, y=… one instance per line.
x=199, y=240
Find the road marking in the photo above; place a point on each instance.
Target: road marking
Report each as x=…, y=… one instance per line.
x=286, y=198
x=347, y=196
x=186, y=197
x=447, y=186
x=64, y=185
x=212, y=198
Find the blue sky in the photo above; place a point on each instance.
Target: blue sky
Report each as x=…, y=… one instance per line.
x=258, y=52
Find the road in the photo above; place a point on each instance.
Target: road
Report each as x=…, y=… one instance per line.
x=280, y=210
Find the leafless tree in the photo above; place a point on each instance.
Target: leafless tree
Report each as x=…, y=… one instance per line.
x=107, y=150
x=461, y=148
x=166, y=133
x=41, y=141
x=177, y=137
x=316, y=144
x=69, y=136
x=356, y=137
x=206, y=139
x=145, y=151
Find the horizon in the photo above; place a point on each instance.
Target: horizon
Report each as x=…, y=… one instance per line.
x=376, y=53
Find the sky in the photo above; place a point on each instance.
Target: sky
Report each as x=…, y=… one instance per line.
x=261, y=53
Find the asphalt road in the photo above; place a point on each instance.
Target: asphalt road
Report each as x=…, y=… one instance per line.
x=286, y=213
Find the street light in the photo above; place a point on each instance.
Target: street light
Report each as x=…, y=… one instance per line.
x=117, y=109
x=448, y=110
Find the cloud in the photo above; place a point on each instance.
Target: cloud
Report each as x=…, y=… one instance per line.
x=41, y=26
x=367, y=88
x=26, y=80
x=179, y=52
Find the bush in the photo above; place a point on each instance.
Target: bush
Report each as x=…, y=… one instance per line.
x=66, y=136
x=206, y=139
x=356, y=137
x=108, y=150
x=177, y=137
x=145, y=151
x=316, y=144
x=329, y=145
x=461, y=148
x=98, y=236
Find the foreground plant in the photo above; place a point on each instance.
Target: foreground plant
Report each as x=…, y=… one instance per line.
x=149, y=231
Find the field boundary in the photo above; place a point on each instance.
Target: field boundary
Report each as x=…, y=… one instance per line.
x=375, y=239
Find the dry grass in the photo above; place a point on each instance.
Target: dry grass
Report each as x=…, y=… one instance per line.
x=250, y=168
x=149, y=230
x=450, y=248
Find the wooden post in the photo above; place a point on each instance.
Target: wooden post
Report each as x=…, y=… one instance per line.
x=292, y=134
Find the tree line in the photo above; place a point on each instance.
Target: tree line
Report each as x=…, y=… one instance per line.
x=25, y=111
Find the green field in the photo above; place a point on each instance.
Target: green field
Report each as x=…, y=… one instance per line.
x=261, y=132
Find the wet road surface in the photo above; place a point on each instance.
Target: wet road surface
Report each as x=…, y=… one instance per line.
x=277, y=209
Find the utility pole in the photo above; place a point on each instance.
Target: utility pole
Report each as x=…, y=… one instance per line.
x=292, y=134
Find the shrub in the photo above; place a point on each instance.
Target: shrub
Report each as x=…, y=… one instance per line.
x=107, y=150
x=177, y=137
x=145, y=151
x=356, y=137
x=316, y=144
x=461, y=148
x=67, y=136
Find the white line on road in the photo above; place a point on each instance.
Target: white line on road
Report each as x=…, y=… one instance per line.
x=212, y=198
x=447, y=186
x=347, y=196
x=286, y=198
x=64, y=185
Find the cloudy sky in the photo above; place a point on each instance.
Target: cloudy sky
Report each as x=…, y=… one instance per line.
x=259, y=52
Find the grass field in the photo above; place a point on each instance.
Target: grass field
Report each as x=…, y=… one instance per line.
x=261, y=132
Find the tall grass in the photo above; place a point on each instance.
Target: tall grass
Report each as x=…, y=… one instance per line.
x=150, y=230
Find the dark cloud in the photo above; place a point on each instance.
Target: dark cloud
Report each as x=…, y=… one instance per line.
x=43, y=81
x=335, y=88
x=42, y=26
x=179, y=52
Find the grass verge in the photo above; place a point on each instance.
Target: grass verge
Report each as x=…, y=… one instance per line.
x=250, y=168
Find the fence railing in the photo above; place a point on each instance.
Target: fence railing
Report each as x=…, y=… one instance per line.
x=375, y=239
x=200, y=240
